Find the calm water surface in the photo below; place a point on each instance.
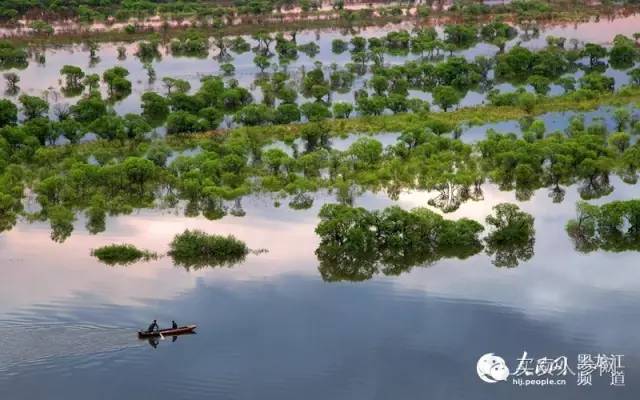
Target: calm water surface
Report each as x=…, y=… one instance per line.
x=271, y=328
x=44, y=79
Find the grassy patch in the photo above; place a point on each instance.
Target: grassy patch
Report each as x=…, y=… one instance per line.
x=121, y=254
x=196, y=249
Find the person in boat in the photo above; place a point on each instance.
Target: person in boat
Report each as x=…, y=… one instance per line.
x=174, y=325
x=153, y=326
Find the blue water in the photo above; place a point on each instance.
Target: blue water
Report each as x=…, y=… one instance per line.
x=272, y=328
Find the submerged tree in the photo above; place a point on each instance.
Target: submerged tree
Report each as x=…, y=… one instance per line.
x=512, y=237
x=357, y=244
x=613, y=226
x=12, y=80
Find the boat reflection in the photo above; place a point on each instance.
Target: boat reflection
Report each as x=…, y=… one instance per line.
x=155, y=340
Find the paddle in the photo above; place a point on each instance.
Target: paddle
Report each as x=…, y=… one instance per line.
x=161, y=336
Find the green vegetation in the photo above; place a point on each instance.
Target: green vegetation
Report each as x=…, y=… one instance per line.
x=357, y=244
x=133, y=171
x=449, y=80
x=613, y=226
x=196, y=249
x=512, y=237
x=12, y=55
x=121, y=254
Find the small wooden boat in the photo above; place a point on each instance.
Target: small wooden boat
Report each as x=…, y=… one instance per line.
x=168, y=332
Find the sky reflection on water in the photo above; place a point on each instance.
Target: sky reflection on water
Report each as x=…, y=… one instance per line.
x=37, y=79
x=271, y=328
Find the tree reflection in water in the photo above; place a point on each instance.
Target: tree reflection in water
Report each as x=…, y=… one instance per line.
x=512, y=238
x=614, y=226
x=357, y=244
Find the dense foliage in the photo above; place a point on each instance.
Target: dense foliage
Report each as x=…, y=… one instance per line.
x=512, y=237
x=125, y=170
x=70, y=179
x=613, y=226
x=356, y=243
x=196, y=249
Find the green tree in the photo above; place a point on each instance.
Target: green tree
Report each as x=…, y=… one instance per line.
x=116, y=81
x=73, y=76
x=446, y=97
x=181, y=122
x=595, y=52
x=620, y=141
x=92, y=81
x=287, y=113
x=276, y=160
x=541, y=84
x=339, y=46
x=138, y=172
x=527, y=101
x=176, y=86
x=634, y=75
x=315, y=111
x=159, y=154
x=622, y=116
x=597, y=82
x=342, y=110
x=623, y=53
x=262, y=62
x=154, y=105
x=366, y=151
x=512, y=237
x=255, y=114
x=33, y=106
x=8, y=113
x=89, y=108
x=109, y=127
x=61, y=220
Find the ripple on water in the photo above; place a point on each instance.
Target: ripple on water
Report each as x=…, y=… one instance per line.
x=23, y=344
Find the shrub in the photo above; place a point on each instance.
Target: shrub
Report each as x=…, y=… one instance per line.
x=196, y=249
x=121, y=254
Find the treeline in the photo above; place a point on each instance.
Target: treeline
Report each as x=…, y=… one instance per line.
x=107, y=177
x=356, y=244
x=91, y=10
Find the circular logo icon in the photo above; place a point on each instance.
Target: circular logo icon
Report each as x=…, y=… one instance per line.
x=492, y=368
